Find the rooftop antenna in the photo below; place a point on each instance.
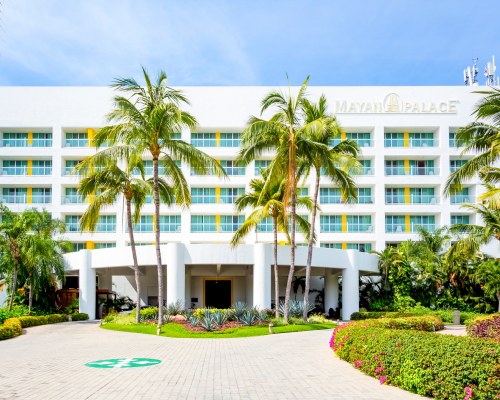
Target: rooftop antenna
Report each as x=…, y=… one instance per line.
x=489, y=73
x=470, y=74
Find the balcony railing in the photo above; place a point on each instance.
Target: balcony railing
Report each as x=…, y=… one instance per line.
x=414, y=199
x=15, y=199
x=411, y=171
x=73, y=199
x=459, y=198
x=422, y=142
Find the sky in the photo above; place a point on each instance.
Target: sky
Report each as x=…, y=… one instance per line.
x=240, y=43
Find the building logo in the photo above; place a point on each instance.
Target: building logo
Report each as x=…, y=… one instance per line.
x=393, y=103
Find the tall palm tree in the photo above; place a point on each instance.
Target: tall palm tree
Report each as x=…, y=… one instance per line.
x=481, y=136
x=282, y=133
x=146, y=119
x=103, y=175
x=268, y=204
x=488, y=275
x=337, y=161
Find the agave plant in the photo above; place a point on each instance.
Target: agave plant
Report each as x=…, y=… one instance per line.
x=220, y=317
x=295, y=308
x=187, y=313
x=248, y=318
x=261, y=315
x=175, y=308
x=239, y=309
x=208, y=322
x=194, y=321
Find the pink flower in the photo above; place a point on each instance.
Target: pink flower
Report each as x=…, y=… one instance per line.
x=491, y=352
x=382, y=379
x=375, y=358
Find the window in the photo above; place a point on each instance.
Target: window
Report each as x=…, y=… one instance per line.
x=362, y=247
x=456, y=164
x=460, y=219
x=422, y=167
x=266, y=225
x=14, y=195
x=453, y=142
x=229, y=195
x=261, y=164
x=176, y=136
x=71, y=196
x=395, y=223
x=394, y=195
x=15, y=167
x=331, y=245
x=330, y=223
x=42, y=167
x=460, y=197
x=69, y=165
x=229, y=139
x=203, y=195
x=230, y=223
x=232, y=168
x=145, y=224
x=106, y=223
x=422, y=196
x=330, y=196
x=42, y=139
x=41, y=195
x=104, y=245
x=204, y=139
x=359, y=223
x=79, y=246
x=77, y=139
x=72, y=222
x=203, y=223
x=425, y=221
x=394, y=139
x=363, y=139
x=16, y=139
x=170, y=223
x=334, y=142
x=394, y=167
x=364, y=196
x=421, y=139
x=148, y=168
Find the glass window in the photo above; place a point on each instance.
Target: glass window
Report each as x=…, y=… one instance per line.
x=330, y=196
x=453, y=142
x=422, y=196
x=77, y=139
x=104, y=245
x=170, y=223
x=203, y=139
x=395, y=223
x=422, y=167
x=15, y=167
x=15, y=195
x=261, y=164
x=394, y=167
x=334, y=142
x=359, y=223
x=79, y=246
x=425, y=221
x=15, y=139
x=71, y=196
x=394, y=195
x=366, y=167
x=362, y=247
x=42, y=167
x=69, y=165
x=266, y=225
x=145, y=224
x=460, y=219
x=230, y=223
x=229, y=195
x=364, y=195
x=42, y=139
x=460, y=197
x=425, y=139
x=41, y=195
x=456, y=164
x=203, y=195
x=363, y=139
x=394, y=139
x=330, y=223
x=72, y=223
x=232, y=168
x=229, y=139
x=106, y=223
x=203, y=223
x=331, y=245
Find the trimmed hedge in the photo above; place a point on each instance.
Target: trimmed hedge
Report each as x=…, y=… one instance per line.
x=445, y=315
x=429, y=323
x=79, y=317
x=487, y=327
x=11, y=328
x=56, y=318
x=28, y=321
x=439, y=366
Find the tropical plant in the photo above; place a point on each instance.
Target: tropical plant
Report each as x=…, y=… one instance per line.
x=268, y=204
x=248, y=318
x=220, y=317
x=208, y=322
x=296, y=308
x=488, y=275
x=316, y=152
x=146, y=120
x=194, y=321
x=175, y=308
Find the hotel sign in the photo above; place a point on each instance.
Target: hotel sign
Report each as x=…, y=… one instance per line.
x=394, y=104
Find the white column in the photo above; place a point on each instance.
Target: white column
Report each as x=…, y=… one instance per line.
x=350, y=287
x=249, y=287
x=176, y=274
x=87, y=284
x=187, y=302
x=262, y=275
x=331, y=291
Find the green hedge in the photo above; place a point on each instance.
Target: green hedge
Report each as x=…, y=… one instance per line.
x=28, y=321
x=487, y=327
x=56, y=318
x=439, y=366
x=429, y=323
x=445, y=315
x=79, y=317
x=11, y=328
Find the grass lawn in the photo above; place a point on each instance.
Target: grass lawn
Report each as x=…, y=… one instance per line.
x=178, y=331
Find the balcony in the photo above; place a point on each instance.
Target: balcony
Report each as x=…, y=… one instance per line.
x=398, y=171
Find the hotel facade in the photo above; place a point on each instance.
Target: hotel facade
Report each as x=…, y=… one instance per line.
x=407, y=146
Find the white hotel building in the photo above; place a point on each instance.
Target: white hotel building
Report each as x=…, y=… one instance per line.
x=408, y=149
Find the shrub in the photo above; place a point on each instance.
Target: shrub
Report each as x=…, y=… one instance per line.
x=219, y=317
x=278, y=321
x=248, y=318
x=208, y=322
x=148, y=313
x=28, y=321
x=17, y=311
x=11, y=328
x=56, y=318
x=295, y=308
x=175, y=308
x=79, y=317
x=317, y=319
x=445, y=315
x=429, y=323
x=439, y=366
x=486, y=327
x=296, y=321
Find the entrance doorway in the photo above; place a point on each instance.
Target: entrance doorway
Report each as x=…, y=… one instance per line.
x=218, y=293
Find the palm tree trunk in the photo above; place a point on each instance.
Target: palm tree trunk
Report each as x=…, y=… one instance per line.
x=292, y=246
x=134, y=257
x=14, y=281
x=310, y=247
x=276, y=277
x=30, y=298
x=156, y=194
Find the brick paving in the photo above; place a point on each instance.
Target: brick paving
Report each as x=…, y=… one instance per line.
x=48, y=363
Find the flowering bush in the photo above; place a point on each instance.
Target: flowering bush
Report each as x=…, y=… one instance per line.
x=439, y=366
x=485, y=327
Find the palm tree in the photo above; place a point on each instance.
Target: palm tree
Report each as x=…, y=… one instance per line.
x=109, y=181
x=146, y=120
x=488, y=274
x=320, y=129
x=267, y=205
x=282, y=133
x=482, y=136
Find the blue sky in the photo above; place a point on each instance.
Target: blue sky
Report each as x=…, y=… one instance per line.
x=355, y=42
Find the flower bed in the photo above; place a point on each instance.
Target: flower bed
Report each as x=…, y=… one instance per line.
x=445, y=315
x=429, y=323
x=485, y=327
x=439, y=366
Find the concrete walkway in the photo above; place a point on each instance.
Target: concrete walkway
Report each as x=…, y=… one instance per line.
x=48, y=363
x=454, y=330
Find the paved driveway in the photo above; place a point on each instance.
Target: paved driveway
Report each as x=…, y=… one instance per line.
x=48, y=363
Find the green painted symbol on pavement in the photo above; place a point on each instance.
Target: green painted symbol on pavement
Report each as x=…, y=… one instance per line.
x=123, y=363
